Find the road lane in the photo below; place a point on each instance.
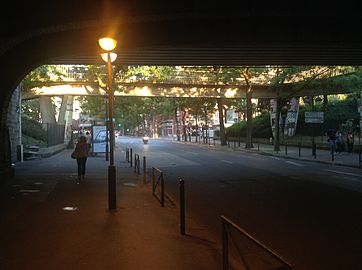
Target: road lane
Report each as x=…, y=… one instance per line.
x=299, y=210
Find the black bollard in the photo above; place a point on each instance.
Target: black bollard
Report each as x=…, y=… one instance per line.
x=144, y=169
x=138, y=165
x=286, y=148
x=131, y=157
x=314, y=150
x=299, y=149
x=225, y=247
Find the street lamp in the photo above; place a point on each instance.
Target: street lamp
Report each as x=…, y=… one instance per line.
x=108, y=45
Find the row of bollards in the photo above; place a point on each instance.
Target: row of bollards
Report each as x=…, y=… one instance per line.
x=137, y=163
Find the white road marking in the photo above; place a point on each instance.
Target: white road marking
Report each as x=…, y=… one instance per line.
x=226, y=161
x=29, y=190
x=194, y=153
x=275, y=158
x=345, y=173
x=295, y=163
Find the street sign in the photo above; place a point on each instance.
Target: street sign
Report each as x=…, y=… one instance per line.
x=314, y=117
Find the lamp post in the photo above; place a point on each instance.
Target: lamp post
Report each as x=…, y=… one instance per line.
x=107, y=131
x=108, y=45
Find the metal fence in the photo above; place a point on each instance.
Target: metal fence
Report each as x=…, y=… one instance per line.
x=55, y=134
x=250, y=259
x=158, y=185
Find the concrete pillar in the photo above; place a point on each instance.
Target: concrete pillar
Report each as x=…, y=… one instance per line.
x=68, y=118
x=62, y=110
x=46, y=110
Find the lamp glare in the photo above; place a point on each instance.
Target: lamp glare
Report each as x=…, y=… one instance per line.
x=105, y=57
x=107, y=44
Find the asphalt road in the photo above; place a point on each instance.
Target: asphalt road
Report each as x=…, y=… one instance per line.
x=308, y=212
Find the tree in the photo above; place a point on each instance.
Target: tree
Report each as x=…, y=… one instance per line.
x=245, y=72
x=301, y=77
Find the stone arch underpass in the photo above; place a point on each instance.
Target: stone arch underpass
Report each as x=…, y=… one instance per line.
x=174, y=34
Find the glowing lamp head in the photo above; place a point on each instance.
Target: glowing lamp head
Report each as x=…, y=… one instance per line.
x=107, y=43
x=113, y=57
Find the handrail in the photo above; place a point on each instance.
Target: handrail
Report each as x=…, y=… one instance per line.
x=225, y=221
x=155, y=183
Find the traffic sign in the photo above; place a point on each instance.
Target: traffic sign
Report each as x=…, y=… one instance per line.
x=314, y=117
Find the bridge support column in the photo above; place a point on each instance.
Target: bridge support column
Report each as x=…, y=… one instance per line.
x=46, y=110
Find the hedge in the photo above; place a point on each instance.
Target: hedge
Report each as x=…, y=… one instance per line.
x=33, y=129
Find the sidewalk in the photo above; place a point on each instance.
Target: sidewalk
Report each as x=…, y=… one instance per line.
x=50, y=222
x=292, y=152
x=305, y=154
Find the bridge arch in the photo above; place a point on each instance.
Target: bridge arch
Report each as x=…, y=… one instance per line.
x=174, y=34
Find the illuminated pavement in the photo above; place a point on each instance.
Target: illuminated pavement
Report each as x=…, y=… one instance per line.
x=48, y=221
x=306, y=211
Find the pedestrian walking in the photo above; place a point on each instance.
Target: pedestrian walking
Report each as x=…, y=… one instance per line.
x=80, y=153
x=350, y=141
x=331, y=133
x=339, y=142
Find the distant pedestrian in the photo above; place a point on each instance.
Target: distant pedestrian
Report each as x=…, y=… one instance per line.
x=339, y=142
x=331, y=133
x=350, y=141
x=80, y=153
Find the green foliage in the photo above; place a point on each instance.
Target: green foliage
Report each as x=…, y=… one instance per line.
x=148, y=73
x=33, y=129
x=30, y=109
x=44, y=74
x=338, y=114
x=261, y=127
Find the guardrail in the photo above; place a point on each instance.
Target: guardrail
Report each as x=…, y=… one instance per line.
x=158, y=185
x=226, y=223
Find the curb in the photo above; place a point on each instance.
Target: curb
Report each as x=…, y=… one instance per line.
x=333, y=163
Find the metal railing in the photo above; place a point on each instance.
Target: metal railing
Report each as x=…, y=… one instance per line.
x=158, y=185
x=226, y=224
